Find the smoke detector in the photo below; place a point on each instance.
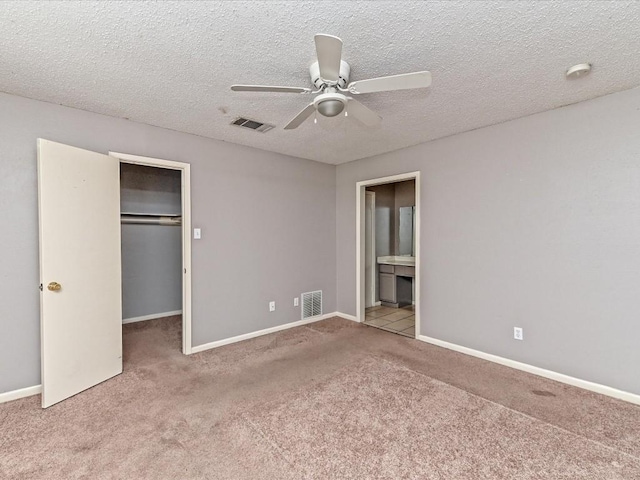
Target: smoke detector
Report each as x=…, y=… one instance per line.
x=579, y=70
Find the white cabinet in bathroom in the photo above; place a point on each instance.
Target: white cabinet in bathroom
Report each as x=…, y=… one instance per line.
x=387, y=286
x=395, y=284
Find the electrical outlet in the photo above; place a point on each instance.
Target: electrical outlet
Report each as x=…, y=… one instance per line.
x=295, y=301
x=272, y=306
x=517, y=333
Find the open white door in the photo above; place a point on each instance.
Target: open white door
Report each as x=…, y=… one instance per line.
x=80, y=271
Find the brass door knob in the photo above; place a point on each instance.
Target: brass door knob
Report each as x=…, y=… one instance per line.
x=54, y=286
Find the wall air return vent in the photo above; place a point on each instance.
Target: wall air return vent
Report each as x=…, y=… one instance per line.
x=311, y=304
x=252, y=124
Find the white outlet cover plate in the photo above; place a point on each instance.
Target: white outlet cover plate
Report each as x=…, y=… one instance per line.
x=518, y=333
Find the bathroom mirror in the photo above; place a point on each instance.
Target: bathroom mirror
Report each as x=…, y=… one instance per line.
x=405, y=233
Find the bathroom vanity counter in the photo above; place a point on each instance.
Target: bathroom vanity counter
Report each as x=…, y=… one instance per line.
x=395, y=278
x=406, y=261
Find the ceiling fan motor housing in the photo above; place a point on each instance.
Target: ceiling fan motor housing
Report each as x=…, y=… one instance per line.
x=343, y=77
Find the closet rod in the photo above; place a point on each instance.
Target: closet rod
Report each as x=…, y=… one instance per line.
x=150, y=220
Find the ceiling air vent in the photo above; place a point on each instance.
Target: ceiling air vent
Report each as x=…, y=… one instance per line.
x=252, y=124
x=311, y=304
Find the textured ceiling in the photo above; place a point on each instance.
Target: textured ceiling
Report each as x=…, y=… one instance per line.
x=171, y=64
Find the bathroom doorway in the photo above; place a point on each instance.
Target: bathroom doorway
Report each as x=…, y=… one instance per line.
x=387, y=230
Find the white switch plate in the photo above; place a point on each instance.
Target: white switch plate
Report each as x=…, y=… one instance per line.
x=517, y=333
x=295, y=301
x=272, y=306
x=196, y=234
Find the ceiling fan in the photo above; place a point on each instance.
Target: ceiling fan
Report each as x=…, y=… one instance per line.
x=330, y=77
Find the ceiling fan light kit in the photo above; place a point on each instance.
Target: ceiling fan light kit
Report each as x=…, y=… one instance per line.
x=330, y=76
x=330, y=104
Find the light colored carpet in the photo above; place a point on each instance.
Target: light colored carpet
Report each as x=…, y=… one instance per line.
x=375, y=419
x=332, y=400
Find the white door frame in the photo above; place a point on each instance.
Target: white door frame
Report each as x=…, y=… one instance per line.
x=371, y=232
x=185, y=170
x=360, y=236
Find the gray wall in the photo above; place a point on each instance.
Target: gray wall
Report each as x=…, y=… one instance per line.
x=151, y=254
x=532, y=223
x=268, y=226
x=151, y=270
x=149, y=190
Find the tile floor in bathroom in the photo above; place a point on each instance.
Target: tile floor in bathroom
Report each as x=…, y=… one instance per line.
x=397, y=320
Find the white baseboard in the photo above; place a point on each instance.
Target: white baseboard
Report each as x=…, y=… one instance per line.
x=20, y=393
x=151, y=317
x=525, y=367
x=259, y=333
x=346, y=316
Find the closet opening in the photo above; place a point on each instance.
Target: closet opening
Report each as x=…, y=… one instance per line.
x=155, y=200
x=152, y=239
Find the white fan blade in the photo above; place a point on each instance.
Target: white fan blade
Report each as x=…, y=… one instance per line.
x=329, y=51
x=301, y=117
x=363, y=114
x=264, y=88
x=395, y=82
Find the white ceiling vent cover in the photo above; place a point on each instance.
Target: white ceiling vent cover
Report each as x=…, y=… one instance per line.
x=252, y=124
x=311, y=304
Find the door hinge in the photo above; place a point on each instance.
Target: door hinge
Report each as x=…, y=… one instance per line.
x=185, y=271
